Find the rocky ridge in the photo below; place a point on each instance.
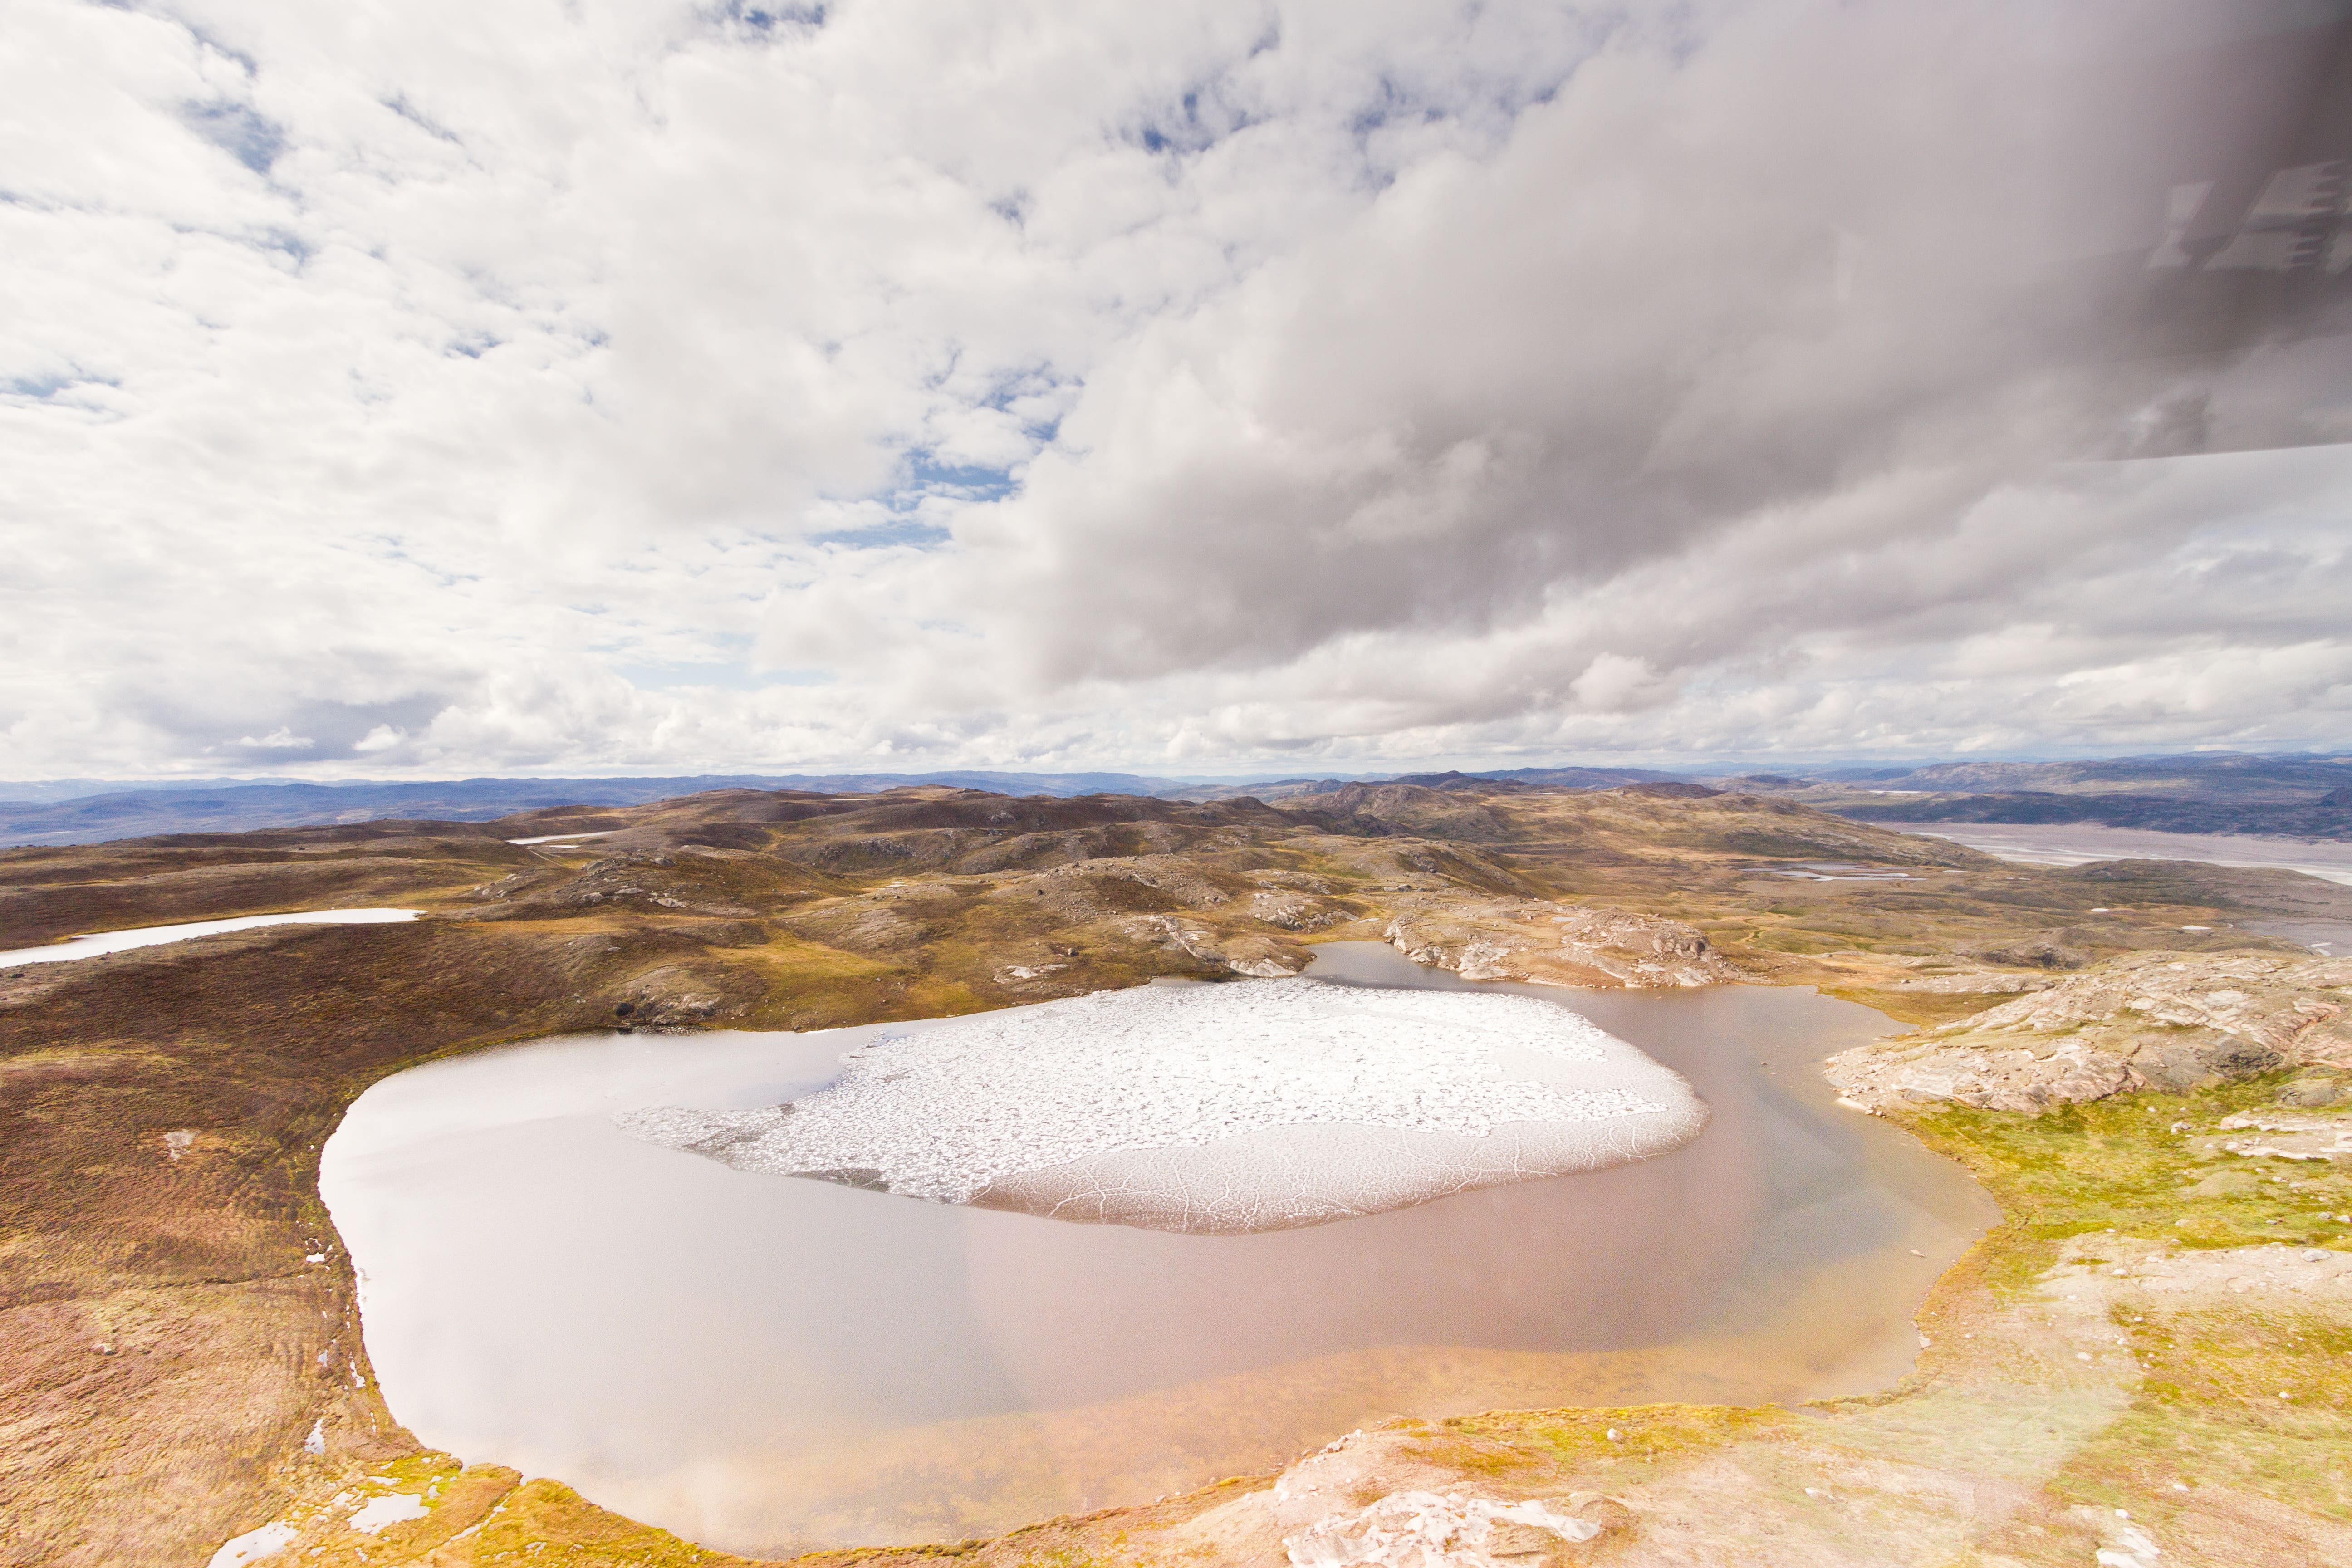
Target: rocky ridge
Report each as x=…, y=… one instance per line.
x=1554, y=944
x=2145, y=1020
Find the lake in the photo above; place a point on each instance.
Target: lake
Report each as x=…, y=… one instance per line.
x=2080, y=843
x=767, y=1364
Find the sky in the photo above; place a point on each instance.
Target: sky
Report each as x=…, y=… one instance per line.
x=437, y=388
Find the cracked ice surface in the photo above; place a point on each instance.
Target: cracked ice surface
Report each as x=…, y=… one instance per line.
x=1247, y=1106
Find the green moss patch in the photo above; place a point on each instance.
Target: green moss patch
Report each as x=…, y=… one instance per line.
x=2140, y=1164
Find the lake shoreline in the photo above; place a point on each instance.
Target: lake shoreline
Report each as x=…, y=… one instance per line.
x=1780, y=1339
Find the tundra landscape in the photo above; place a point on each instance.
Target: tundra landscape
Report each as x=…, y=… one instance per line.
x=2154, y=1344
x=1237, y=784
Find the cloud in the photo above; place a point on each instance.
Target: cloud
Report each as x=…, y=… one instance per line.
x=666, y=387
x=278, y=740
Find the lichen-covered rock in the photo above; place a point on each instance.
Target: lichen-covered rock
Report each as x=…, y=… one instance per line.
x=2191, y=1058
x=1967, y=982
x=2040, y=952
x=1426, y=1530
x=1260, y=958
x=2311, y=1092
x=1295, y=911
x=676, y=997
x=2268, y=1000
x=1555, y=944
x=1939, y=976
x=2014, y=1076
x=2146, y=1020
x=2283, y=1135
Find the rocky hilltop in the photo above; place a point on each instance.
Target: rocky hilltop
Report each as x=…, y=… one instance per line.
x=1555, y=944
x=2146, y=1020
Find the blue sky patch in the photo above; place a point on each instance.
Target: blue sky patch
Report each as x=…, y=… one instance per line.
x=241, y=132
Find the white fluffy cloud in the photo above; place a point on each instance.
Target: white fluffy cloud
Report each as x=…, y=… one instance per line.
x=679, y=386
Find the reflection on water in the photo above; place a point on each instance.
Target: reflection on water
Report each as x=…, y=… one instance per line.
x=2080, y=843
x=763, y=1363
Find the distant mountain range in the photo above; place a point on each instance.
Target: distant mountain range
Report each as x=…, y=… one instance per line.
x=2296, y=793
x=2323, y=819
x=87, y=811
x=2299, y=775
x=236, y=806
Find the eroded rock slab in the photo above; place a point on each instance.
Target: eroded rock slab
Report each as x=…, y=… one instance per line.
x=1427, y=1530
x=1556, y=944
x=2284, y=1135
x=2143, y=1021
x=1221, y=1109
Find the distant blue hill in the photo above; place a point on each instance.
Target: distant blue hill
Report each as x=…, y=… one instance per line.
x=89, y=811
x=2295, y=792
x=236, y=806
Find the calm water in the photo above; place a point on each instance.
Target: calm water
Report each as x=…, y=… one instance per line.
x=765, y=1364
x=2329, y=939
x=2080, y=843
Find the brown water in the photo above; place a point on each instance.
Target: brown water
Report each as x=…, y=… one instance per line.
x=765, y=1364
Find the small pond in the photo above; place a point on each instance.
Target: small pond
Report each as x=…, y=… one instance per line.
x=765, y=1364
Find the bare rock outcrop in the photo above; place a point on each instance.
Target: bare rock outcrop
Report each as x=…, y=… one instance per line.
x=2142, y=1021
x=675, y=997
x=1261, y=958
x=2271, y=1000
x=1556, y=944
x=1421, y=1529
x=2283, y=1135
x=1295, y=911
x=1939, y=976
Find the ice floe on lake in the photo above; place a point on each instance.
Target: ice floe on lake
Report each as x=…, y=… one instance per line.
x=1249, y=1106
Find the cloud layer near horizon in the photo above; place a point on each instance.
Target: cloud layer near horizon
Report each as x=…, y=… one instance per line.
x=576, y=387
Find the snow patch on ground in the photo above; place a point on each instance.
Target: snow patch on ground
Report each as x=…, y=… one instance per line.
x=1232, y=1108
x=254, y=1545
x=380, y=1513
x=108, y=942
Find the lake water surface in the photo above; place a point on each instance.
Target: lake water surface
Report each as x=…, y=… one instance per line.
x=766, y=1364
x=2080, y=843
